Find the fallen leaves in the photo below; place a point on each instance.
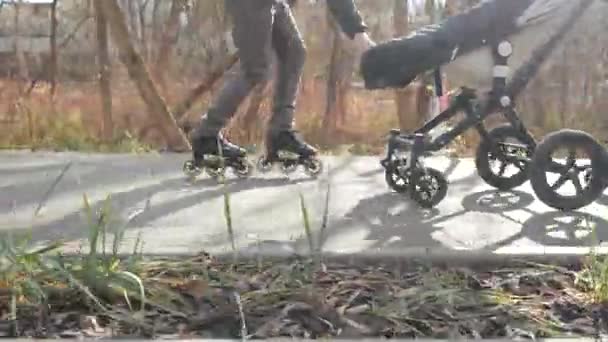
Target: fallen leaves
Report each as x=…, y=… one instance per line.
x=203, y=298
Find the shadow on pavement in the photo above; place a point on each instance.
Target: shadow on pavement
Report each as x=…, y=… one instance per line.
x=392, y=221
x=74, y=226
x=31, y=169
x=417, y=227
x=388, y=220
x=556, y=228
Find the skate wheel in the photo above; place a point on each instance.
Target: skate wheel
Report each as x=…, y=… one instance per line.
x=263, y=165
x=504, y=165
x=288, y=168
x=314, y=167
x=245, y=170
x=215, y=173
x=396, y=180
x=428, y=187
x=190, y=169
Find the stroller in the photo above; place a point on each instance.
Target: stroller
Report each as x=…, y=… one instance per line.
x=479, y=47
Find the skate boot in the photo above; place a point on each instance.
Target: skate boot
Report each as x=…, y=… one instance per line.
x=289, y=150
x=215, y=161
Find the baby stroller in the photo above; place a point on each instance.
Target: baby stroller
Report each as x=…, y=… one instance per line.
x=479, y=47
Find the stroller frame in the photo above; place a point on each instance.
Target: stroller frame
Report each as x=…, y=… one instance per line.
x=427, y=186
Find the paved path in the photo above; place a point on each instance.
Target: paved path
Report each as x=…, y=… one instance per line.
x=173, y=216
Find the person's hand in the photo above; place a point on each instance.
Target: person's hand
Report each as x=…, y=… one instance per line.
x=363, y=42
x=360, y=43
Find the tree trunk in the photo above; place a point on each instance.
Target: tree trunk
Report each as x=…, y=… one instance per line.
x=155, y=29
x=424, y=100
x=142, y=6
x=204, y=86
x=139, y=75
x=404, y=98
x=408, y=114
x=329, y=120
x=21, y=63
x=105, y=88
x=168, y=40
x=133, y=20
x=338, y=83
x=53, y=43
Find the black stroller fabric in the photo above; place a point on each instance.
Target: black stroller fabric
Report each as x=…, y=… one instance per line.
x=396, y=63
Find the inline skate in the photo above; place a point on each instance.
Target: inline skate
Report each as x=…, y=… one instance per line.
x=289, y=150
x=215, y=161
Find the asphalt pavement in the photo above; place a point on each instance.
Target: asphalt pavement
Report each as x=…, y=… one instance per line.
x=43, y=192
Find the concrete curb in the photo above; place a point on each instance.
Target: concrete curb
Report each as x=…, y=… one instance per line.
x=430, y=257
x=582, y=339
x=411, y=257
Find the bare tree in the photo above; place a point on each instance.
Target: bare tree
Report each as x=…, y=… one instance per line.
x=105, y=87
x=53, y=43
x=338, y=83
x=21, y=63
x=142, y=5
x=204, y=86
x=168, y=40
x=155, y=26
x=408, y=120
x=139, y=75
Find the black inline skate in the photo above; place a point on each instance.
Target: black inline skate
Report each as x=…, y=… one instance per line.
x=290, y=150
x=207, y=156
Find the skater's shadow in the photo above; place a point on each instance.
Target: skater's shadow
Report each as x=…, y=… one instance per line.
x=9, y=171
x=73, y=226
x=187, y=194
x=61, y=179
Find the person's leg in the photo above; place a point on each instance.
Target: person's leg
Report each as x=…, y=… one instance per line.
x=291, y=56
x=252, y=35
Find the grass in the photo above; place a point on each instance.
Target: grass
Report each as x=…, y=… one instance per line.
x=98, y=277
x=66, y=133
x=73, y=121
x=203, y=297
x=135, y=296
x=594, y=276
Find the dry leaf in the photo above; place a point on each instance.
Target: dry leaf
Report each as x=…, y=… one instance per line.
x=197, y=288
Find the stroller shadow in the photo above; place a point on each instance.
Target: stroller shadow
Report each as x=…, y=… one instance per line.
x=391, y=220
x=564, y=229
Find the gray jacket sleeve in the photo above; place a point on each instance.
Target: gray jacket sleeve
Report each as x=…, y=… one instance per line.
x=348, y=17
